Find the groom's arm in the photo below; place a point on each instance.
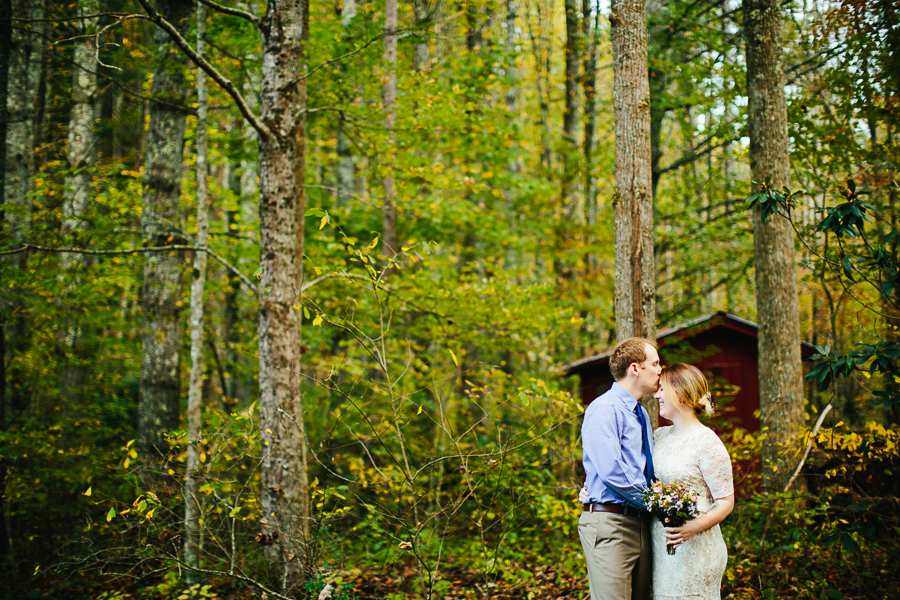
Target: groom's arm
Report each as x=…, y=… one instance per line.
x=613, y=467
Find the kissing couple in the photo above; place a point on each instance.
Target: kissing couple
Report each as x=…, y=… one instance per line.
x=625, y=552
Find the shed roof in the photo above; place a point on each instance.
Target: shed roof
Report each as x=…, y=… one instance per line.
x=686, y=330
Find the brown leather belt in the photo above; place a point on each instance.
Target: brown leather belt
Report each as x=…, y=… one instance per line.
x=618, y=509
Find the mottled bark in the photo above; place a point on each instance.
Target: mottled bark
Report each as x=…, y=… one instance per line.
x=345, y=167
x=25, y=66
x=282, y=170
x=542, y=80
x=81, y=136
x=780, y=370
x=232, y=388
x=24, y=70
x=420, y=58
x=590, y=32
x=5, y=52
x=389, y=92
x=80, y=153
x=570, y=111
x=193, y=466
x=161, y=328
x=635, y=275
x=512, y=92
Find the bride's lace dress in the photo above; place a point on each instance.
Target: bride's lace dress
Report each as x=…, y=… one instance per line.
x=698, y=459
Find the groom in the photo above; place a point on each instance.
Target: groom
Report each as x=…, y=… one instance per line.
x=617, y=439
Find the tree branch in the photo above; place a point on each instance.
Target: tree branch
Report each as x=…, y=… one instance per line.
x=144, y=250
x=812, y=439
x=695, y=155
x=234, y=12
x=309, y=284
x=261, y=128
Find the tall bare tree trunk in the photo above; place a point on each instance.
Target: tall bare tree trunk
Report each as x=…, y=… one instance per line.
x=282, y=171
x=421, y=14
x=389, y=91
x=25, y=66
x=231, y=322
x=633, y=202
x=780, y=370
x=570, y=112
x=5, y=52
x=590, y=33
x=193, y=466
x=81, y=137
x=161, y=329
x=512, y=106
x=345, y=167
x=80, y=152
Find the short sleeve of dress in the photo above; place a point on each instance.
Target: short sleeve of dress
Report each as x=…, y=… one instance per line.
x=715, y=466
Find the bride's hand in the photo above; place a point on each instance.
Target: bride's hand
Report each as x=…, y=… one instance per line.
x=676, y=536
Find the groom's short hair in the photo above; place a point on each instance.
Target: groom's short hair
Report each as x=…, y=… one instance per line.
x=627, y=352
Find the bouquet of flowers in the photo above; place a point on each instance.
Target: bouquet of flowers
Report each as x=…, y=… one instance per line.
x=672, y=504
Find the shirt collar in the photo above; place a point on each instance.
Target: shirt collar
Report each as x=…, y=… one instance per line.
x=625, y=396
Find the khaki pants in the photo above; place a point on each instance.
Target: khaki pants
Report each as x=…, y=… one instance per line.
x=617, y=552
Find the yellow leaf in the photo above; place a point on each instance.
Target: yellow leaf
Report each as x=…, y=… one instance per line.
x=419, y=412
x=455, y=361
x=203, y=457
x=87, y=493
x=323, y=222
x=317, y=321
x=374, y=243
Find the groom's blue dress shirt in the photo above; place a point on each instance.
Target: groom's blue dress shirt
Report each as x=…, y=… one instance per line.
x=613, y=457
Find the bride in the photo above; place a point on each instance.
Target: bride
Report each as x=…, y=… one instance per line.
x=691, y=453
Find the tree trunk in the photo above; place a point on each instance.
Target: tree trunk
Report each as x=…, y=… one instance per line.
x=5, y=52
x=345, y=167
x=570, y=112
x=421, y=15
x=389, y=91
x=193, y=466
x=282, y=171
x=233, y=388
x=25, y=66
x=161, y=330
x=635, y=300
x=80, y=153
x=81, y=137
x=780, y=370
x=541, y=52
x=590, y=31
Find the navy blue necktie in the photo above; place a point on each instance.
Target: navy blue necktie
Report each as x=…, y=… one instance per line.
x=648, y=470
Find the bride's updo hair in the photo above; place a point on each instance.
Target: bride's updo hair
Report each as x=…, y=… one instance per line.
x=685, y=385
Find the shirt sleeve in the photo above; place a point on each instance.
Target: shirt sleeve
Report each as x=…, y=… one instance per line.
x=605, y=446
x=715, y=467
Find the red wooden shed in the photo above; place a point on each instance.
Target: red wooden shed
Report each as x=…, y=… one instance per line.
x=721, y=345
